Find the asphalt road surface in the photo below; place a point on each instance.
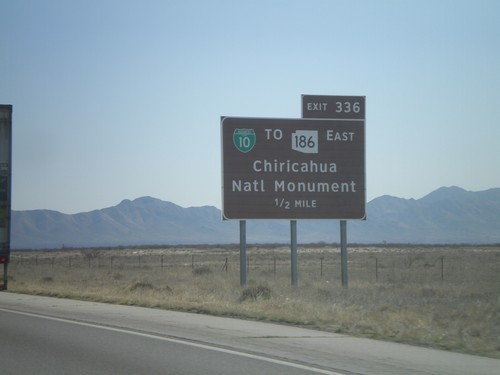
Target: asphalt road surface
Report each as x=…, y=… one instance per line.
x=41, y=335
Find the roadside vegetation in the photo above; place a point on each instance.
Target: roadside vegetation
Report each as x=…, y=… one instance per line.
x=441, y=297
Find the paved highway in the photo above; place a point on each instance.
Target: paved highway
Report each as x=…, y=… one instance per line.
x=32, y=344
x=41, y=335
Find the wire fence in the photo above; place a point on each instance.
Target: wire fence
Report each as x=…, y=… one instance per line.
x=395, y=265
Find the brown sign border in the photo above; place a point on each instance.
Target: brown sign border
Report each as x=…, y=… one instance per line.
x=254, y=203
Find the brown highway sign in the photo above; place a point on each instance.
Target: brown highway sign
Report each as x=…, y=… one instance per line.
x=333, y=107
x=293, y=168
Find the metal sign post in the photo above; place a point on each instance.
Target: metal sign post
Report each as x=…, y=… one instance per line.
x=293, y=252
x=243, y=253
x=343, y=253
x=5, y=187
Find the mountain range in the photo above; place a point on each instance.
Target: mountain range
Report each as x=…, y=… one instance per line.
x=448, y=215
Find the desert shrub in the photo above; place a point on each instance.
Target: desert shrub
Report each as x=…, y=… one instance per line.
x=255, y=292
x=141, y=286
x=167, y=289
x=428, y=292
x=90, y=254
x=203, y=270
x=47, y=279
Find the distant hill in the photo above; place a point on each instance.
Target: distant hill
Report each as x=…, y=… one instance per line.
x=448, y=215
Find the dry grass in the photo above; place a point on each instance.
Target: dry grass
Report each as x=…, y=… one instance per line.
x=443, y=297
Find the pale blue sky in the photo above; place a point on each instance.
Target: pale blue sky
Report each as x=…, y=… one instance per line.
x=120, y=99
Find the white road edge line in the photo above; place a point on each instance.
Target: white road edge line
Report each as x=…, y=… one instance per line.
x=178, y=341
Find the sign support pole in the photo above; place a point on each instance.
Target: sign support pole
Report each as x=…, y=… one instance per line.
x=243, y=253
x=5, y=187
x=343, y=252
x=5, y=276
x=293, y=247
